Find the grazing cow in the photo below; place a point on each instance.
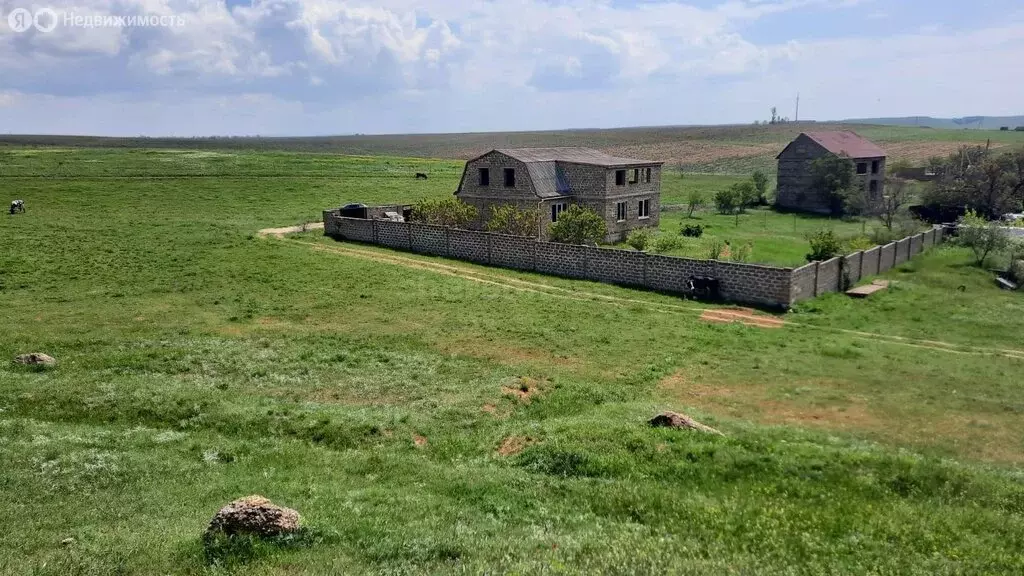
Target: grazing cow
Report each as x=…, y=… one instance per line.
x=421, y=176
x=17, y=206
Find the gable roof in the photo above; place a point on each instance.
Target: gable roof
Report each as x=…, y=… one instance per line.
x=845, y=142
x=571, y=155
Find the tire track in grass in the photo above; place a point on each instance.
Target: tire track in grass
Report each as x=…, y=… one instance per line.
x=744, y=316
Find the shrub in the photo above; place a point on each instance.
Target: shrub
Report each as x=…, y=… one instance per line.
x=760, y=182
x=726, y=200
x=666, y=243
x=578, y=225
x=742, y=252
x=447, y=212
x=824, y=245
x=981, y=236
x=713, y=249
x=1016, y=272
x=510, y=219
x=639, y=239
x=858, y=243
x=692, y=230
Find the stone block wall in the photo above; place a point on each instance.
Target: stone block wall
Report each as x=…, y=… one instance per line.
x=916, y=244
x=902, y=251
x=870, y=262
x=469, y=245
x=738, y=282
x=428, y=239
x=625, y=267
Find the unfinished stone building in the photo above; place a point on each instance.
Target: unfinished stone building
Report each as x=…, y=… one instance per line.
x=625, y=191
x=795, y=187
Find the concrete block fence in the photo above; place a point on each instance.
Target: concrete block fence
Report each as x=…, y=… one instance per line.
x=738, y=282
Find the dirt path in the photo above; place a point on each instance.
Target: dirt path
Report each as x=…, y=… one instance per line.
x=280, y=232
x=744, y=316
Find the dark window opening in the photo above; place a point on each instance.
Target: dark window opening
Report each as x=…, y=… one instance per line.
x=636, y=176
x=644, y=209
x=620, y=211
x=862, y=168
x=485, y=177
x=620, y=177
x=874, y=166
x=647, y=175
x=510, y=177
x=557, y=209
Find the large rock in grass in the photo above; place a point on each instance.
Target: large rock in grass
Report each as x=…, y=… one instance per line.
x=676, y=420
x=35, y=359
x=254, y=515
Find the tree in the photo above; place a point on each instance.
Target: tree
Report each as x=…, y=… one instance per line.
x=833, y=176
x=746, y=194
x=694, y=200
x=760, y=180
x=726, y=200
x=578, y=225
x=639, y=239
x=824, y=245
x=510, y=219
x=975, y=178
x=981, y=236
x=449, y=212
x=897, y=195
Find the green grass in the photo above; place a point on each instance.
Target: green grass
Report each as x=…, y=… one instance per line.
x=200, y=363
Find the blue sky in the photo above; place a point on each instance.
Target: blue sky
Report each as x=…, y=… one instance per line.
x=308, y=67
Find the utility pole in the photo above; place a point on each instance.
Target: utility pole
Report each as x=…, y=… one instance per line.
x=797, y=119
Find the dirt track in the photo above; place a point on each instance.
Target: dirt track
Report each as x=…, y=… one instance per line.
x=744, y=316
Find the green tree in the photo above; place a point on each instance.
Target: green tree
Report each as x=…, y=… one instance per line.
x=824, y=245
x=578, y=225
x=981, y=236
x=727, y=200
x=449, y=212
x=894, y=201
x=833, y=176
x=639, y=239
x=510, y=219
x=760, y=181
x=694, y=200
x=746, y=194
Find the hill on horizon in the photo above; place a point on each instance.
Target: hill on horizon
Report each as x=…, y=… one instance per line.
x=965, y=122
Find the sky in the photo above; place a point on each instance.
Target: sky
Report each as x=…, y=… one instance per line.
x=320, y=67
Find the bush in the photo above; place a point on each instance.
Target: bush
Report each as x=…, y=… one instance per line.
x=692, y=230
x=981, y=236
x=713, y=249
x=858, y=243
x=510, y=219
x=1016, y=272
x=726, y=200
x=742, y=252
x=824, y=245
x=760, y=182
x=666, y=243
x=639, y=239
x=447, y=212
x=578, y=225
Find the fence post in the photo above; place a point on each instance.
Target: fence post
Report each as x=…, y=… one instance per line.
x=860, y=269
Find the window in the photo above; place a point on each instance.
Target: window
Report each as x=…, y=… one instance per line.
x=862, y=168
x=510, y=177
x=874, y=166
x=644, y=209
x=620, y=211
x=557, y=209
x=636, y=176
x=647, y=175
x=620, y=177
x=485, y=177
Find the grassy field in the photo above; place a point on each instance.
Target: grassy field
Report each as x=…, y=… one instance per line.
x=381, y=395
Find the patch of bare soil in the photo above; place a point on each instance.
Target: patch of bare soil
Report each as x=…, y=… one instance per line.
x=744, y=316
x=918, y=152
x=280, y=232
x=524, y=388
x=419, y=441
x=514, y=445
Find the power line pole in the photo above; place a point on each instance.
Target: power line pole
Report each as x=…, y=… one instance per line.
x=797, y=118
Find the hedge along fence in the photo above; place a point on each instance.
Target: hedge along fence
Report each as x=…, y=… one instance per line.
x=738, y=282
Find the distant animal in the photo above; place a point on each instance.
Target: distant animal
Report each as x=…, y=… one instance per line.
x=17, y=206
x=421, y=176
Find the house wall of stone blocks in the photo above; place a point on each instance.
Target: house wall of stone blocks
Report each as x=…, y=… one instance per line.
x=738, y=282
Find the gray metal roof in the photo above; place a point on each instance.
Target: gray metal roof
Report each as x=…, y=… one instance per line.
x=571, y=155
x=549, y=180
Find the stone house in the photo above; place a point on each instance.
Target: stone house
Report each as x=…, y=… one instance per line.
x=795, y=190
x=625, y=191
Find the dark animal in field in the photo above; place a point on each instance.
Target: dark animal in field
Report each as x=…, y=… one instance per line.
x=17, y=206
x=703, y=287
x=421, y=176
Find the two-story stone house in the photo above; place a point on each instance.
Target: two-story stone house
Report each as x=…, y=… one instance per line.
x=795, y=189
x=625, y=191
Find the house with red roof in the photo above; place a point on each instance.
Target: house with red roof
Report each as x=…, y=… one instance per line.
x=795, y=186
